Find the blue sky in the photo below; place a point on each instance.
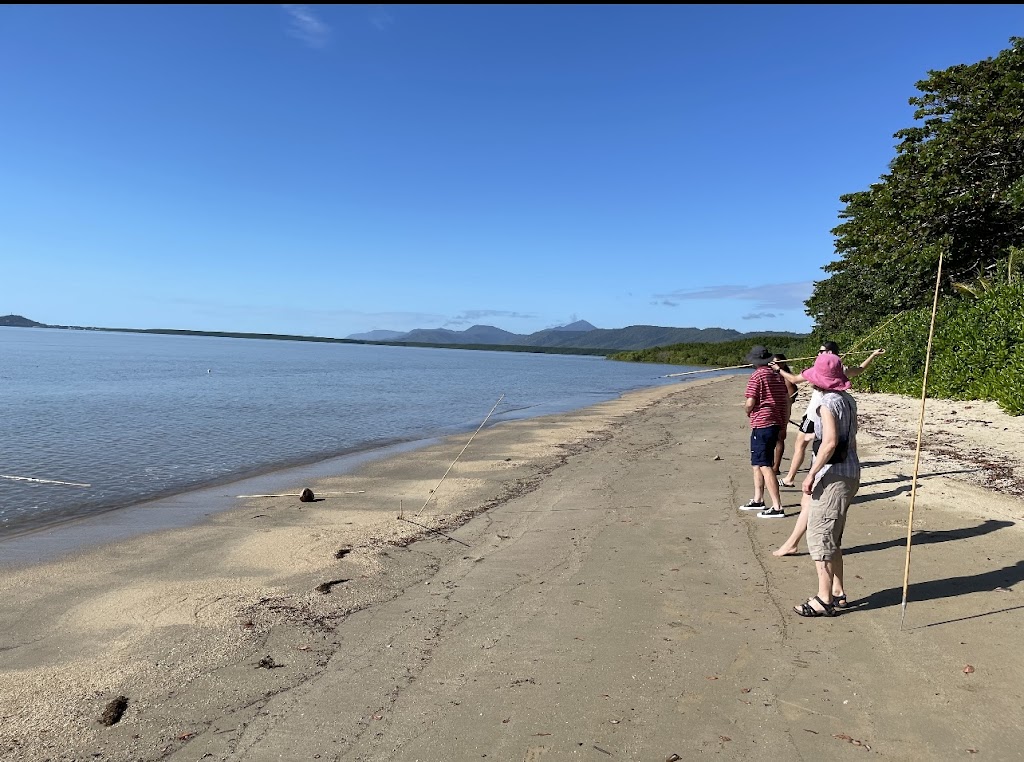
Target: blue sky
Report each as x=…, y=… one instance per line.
x=327, y=170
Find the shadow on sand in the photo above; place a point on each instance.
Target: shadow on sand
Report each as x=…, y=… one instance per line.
x=861, y=498
x=905, y=487
x=874, y=463
x=989, y=581
x=900, y=479
x=925, y=537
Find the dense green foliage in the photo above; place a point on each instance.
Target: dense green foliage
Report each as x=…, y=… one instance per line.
x=955, y=189
x=977, y=350
x=956, y=186
x=724, y=354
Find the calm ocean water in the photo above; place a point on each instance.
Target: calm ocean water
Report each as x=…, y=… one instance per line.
x=137, y=417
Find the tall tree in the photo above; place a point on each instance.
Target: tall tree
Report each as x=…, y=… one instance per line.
x=955, y=186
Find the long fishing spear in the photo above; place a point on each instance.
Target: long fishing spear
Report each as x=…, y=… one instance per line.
x=795, y=359
x=917, y=456
x=749, y=365
x=431, y=493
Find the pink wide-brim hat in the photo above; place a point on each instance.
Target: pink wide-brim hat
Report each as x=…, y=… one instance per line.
x=827, y=373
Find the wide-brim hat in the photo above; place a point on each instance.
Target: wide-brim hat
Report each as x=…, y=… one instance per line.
x=759, y=356
x=827, y=373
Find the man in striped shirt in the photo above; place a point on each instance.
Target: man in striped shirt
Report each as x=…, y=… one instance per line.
x=767, y=405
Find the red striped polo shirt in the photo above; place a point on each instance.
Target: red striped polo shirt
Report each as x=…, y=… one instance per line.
x=771, y=398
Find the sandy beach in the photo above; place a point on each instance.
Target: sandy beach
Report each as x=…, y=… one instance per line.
x=579, y=586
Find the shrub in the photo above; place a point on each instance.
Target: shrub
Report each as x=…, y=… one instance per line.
x=977, y=351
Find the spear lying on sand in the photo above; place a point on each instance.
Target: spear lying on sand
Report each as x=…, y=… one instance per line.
x=401, y=509
x=299, y=494
x=431, y=493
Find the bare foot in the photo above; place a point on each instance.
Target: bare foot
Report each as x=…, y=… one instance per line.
x=785, y=552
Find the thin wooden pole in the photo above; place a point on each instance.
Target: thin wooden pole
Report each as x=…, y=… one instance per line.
x=299, y=494
x=431, y=494
x=883, y=325
x=749, y=365
x=705, y=370
x=920, y=431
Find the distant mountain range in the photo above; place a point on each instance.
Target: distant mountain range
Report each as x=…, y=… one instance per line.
x=578, y=335
x=573, y=338
x=478, y=334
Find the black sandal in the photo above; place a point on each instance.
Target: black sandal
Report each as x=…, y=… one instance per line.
x=839, y=601
x=806, y=609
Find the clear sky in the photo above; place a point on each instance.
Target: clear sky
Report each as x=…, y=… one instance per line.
x=326, y=170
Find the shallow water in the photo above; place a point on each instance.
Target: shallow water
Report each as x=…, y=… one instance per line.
x=141, y=416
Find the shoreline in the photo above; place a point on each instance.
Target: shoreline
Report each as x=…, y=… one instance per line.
x=596, y=588
x=183, y=507
x=190, y=414
x=178, y=510
x=253, y=571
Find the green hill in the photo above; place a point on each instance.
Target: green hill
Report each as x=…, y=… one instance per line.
x=17, y=321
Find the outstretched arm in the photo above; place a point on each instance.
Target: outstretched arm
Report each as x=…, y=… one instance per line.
x=856, y=370
x=797, y=379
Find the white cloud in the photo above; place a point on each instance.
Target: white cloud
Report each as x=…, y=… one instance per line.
x=381, y=19
x=306, y=26
x=771, y=296
x=472, y=316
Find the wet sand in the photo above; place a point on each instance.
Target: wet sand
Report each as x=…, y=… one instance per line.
x=579, y=586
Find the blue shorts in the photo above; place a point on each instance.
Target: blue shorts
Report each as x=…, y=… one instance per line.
x=762, y=446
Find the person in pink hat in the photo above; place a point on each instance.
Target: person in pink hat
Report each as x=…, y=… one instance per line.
x=831, y=483
x=806, y=426
x=806, y=435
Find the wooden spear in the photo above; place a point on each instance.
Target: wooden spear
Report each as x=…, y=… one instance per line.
x=299, y=494
x=431, y=493
x=917, y=456
x=749, y=365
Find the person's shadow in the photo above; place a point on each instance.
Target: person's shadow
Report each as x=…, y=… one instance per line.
x=873, y=463
x=863, y=498
x=905, y=487
x=902, y=478
x=943, y=588
x=926, y=537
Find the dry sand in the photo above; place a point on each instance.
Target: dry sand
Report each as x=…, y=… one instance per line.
x=581, y=586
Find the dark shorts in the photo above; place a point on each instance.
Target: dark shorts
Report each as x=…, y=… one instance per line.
x=762, y=446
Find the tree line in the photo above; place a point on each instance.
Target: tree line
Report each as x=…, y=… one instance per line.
x=954, y=188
